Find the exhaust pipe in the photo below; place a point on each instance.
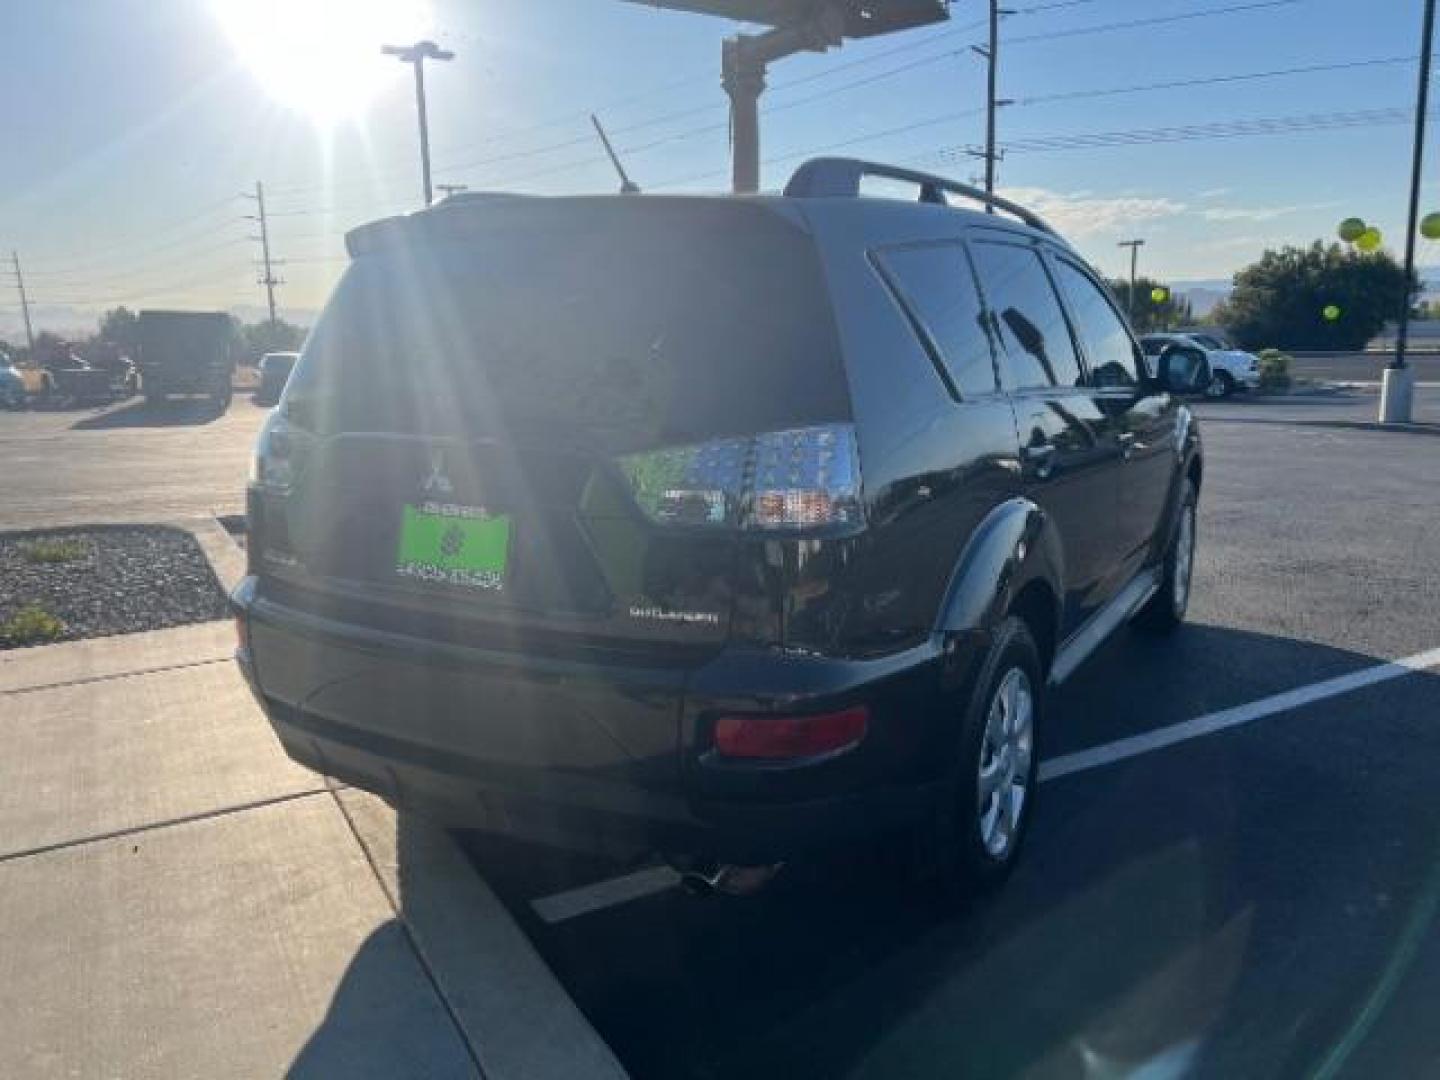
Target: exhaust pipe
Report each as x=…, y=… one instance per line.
x=726, y=879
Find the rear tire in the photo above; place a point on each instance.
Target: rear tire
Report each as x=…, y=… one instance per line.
x=1166, y=610
x=974, y=837
x=1222, y=385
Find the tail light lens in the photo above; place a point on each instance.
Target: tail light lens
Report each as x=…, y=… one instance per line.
x=279, y=451
x=781, y=737
x=779, y=480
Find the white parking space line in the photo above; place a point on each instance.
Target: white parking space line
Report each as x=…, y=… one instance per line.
x=1160, y=738
x=602, y=894
x=599, y=895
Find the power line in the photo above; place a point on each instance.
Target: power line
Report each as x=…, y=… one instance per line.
x=87, y=278
x=1211, y=80
x=1276, y=125
x=132, y=296
x=126, y=249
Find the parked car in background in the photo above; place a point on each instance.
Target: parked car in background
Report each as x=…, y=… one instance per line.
x=1231, y=369
x=562, y=531
x=12, y=384
x=275, y=371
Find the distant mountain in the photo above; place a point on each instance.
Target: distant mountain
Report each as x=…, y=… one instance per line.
x=1203, y=294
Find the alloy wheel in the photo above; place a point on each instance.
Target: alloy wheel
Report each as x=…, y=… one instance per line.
x=1184, y=560
x=1005, y=755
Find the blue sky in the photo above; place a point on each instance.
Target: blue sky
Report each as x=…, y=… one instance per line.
x=134, y=124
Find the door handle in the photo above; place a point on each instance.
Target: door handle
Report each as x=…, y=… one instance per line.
x=1040, y=457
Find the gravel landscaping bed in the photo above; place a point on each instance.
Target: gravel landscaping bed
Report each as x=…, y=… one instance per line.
x=66, y=584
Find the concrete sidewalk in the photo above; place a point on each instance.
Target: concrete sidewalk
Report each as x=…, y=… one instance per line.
x=181, y=900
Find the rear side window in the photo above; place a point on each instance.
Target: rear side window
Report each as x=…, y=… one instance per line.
x=625, y=326
x=1108, y=346
x=1038, y=350
x=935, y=282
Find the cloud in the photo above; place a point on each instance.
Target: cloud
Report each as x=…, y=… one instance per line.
x=1259, y=213
x=1214, y=193
x=1081, y=213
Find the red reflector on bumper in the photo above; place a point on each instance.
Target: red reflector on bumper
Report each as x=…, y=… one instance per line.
x=790, y=736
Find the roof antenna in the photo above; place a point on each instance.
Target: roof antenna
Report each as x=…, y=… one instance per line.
x=627, y=186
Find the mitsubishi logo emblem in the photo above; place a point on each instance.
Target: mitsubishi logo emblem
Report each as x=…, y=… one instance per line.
x=437, y=481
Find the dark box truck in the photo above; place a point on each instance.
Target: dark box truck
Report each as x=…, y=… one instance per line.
x=186, y=352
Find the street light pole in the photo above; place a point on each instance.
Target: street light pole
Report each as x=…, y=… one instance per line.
x=1398, y=381
x=1134, y=246
x=416, y=55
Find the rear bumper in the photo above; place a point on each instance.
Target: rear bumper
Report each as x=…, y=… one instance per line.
x=464, y=794
x=573, y=792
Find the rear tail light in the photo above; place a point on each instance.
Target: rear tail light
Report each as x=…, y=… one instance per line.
x=790, y=737
x=797, y=479
x=279, y=452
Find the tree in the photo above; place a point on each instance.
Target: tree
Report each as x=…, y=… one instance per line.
x=1146, y=314
x=1320, y=297
x=267, y=336
x=120, y=326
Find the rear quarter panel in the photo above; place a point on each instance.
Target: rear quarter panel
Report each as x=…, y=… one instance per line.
x=932, y=467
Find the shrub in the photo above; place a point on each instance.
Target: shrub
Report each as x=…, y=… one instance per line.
x=1275, y=369
x=54, y=550
x=31, y=625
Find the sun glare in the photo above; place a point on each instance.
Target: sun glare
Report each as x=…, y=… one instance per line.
x=322, y=57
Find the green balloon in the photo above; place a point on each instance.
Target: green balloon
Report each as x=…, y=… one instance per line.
x=1331, y=313
x=1369, y=240
x=1351, y=229
x=1430, y=226
x=1159, y=295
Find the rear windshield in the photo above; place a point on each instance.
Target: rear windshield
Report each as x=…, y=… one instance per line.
x=631, y=328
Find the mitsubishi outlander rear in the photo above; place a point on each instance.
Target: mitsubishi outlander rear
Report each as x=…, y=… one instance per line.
x=723, y=528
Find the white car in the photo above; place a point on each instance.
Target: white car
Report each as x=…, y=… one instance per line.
x=1231, y=369
x=12, y=385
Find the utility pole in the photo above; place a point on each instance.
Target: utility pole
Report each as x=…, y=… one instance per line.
x=1397, y=385
x=416, y=55
x=269, y=280
x=991, y=53
x=1134, y=246
x=447, y=190
x=24, y=304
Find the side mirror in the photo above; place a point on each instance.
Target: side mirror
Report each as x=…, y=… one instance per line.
x=1183, y=370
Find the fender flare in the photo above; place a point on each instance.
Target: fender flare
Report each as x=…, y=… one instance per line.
x=1189, y=451
x=1014, y=545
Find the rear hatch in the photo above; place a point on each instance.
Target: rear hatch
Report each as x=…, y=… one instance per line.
x=493, y=408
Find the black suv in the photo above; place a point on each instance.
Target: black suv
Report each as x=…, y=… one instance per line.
x=714, y=527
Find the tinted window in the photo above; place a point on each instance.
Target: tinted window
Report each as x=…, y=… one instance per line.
x=1037, y=346
x=624, y=326
x=1108, y=347
x=938, y=287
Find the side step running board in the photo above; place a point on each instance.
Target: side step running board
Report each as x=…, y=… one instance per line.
x=1102, y=624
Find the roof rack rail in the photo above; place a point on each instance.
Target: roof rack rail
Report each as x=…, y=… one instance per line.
x=835, y=177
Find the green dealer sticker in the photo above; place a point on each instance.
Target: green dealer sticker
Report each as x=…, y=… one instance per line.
x=453, y=545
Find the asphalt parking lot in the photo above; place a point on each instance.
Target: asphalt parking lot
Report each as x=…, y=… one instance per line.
x=1256, y=902
x=125, y=463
